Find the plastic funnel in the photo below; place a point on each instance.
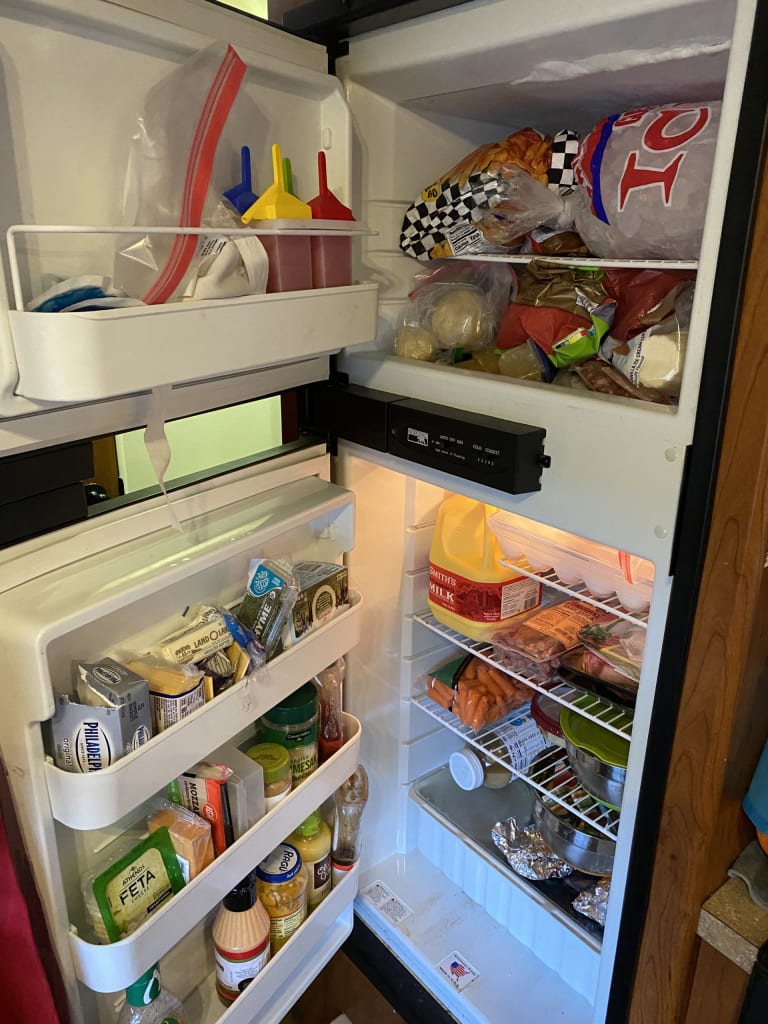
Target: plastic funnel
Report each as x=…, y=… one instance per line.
x=275, y=203
x=240, y=195
x=325, y=205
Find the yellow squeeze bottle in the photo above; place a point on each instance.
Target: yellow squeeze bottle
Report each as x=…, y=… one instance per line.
x=469, y=589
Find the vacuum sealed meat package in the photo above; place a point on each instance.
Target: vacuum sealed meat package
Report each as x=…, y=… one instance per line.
x=645, y=175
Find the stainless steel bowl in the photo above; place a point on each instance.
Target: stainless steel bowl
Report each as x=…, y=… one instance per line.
x=604, y=781
x=572, y=843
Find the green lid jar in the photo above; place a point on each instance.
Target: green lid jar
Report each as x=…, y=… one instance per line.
x=293, y=725
x=276, y=766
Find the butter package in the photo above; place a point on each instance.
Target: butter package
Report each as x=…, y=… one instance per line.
x=88, y=739
x=204, y=634
x=323, y=587
x=136, y=885
x=175, y=691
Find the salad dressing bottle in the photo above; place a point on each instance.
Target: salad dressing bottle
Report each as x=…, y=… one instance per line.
x=241, y=940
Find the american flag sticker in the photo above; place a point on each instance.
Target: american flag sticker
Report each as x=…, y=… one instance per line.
x=457, y=970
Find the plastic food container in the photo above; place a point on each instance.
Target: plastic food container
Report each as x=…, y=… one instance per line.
x=276, y=766
x=469, y=770
x=293, y=724
x=546, y=714
x=290, y=262
x=245, y=787
x=331, y=261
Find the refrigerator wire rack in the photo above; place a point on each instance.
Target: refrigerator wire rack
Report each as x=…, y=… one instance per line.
x=579, y=590
x=588, y=705
x=551, y=775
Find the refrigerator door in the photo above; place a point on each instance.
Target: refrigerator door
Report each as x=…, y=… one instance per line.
x=117, y=585
x=73, y=85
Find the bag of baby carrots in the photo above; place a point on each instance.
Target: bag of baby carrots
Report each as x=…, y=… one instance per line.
x=476, y=692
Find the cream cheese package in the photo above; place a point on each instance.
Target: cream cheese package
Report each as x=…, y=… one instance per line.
x=113, y=720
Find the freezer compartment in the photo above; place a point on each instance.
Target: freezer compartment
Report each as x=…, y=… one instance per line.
x=83, y=357
x=107, y=968
x=94, y=800
x=271, y=995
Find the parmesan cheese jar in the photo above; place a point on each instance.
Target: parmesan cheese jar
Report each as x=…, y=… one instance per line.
x=241, y=940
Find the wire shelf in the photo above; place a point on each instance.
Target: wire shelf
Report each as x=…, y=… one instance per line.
x=551, y=775
x=580, y=590
x=597, y=709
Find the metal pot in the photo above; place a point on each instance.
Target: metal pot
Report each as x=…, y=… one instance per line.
x=572, y=843
x=604, y=781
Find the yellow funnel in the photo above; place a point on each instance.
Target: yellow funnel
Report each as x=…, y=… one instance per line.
x=275, y=203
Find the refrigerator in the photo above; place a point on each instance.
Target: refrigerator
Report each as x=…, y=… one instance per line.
x=406, y=101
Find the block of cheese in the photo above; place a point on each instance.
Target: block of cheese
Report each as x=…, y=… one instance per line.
x=190, y=835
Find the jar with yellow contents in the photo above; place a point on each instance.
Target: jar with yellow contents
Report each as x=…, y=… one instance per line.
x=281, y=885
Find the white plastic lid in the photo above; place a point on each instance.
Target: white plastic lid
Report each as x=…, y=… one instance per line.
x=466, y=769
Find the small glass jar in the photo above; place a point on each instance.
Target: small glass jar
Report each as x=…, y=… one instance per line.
x=293, y=724
x=276, y=766
x=470, y=770
x=281, y=885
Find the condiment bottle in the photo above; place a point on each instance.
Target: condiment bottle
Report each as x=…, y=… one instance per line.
x=281, y=886
x=147, y=1002
x=276, y=766
x=351, y=798
x=240, y=939
x=293, y=724
x=312, y=839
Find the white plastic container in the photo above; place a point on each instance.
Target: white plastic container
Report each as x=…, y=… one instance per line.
x=245, y=787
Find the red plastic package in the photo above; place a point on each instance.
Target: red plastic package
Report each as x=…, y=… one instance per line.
x=644, y=297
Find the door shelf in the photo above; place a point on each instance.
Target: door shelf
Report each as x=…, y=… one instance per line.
x=581, y=261
x=270, y=996
x=553, y=778
x=88, y=356
x=549, y=578
x=108, y=968
x=97, y=799
x=598, y=709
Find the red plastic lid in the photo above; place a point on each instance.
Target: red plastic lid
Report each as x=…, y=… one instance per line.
x=325, y=205
x=546, y=714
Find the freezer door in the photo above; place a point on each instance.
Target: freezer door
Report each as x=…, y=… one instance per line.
x=73, y=83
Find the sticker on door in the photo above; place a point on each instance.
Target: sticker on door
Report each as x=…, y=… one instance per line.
x=457, y=970
x=387, y=904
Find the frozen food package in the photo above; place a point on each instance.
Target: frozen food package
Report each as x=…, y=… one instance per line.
x=175, y=691
x=526, y=852
x=618, y=642
x=543, y=636
x=643, y=297
x=270, y=595
x=644, y=175
x=477, y=693
x=456, y=308
x=190, y=835
x=566, y=311
x=493, y=197
x=182, y=155
x=604, y=379
x=653, y=359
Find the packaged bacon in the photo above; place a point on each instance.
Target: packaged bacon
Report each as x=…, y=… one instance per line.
x=476, y=692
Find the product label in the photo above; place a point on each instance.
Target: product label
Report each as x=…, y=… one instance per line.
x=303, y=761
x=93, y=750
x=235, y=971
x=522, y=739
x=138, y=890
x=482, y=602
x=166, y=711
x=282, y=928
x=140, y=737
x=319, y=880
x=387, y=904
x=457, y=970
x=565, y=621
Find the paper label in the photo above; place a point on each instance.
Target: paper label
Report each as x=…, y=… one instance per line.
x=234, y=974
x=482, y=602
x=387, y=903
x=282, y=928
x=319, y=880
x=138, y=890
x=457, y=970
x=564, y=621
x=167, y=711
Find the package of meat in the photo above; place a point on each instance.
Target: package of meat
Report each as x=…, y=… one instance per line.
x=618, y=642
x=545, y=635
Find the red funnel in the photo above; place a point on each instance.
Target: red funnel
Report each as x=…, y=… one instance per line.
x=325, y=205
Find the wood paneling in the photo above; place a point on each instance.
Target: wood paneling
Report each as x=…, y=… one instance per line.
x=723, y=719
x=718, y=989
x=342, y=988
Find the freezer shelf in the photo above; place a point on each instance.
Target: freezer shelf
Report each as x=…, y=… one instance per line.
x=579, y=590
x=84, y=357
x=109, y=968
x=270, y=996
x=553, y=778
x=598, y=709
x=100, y=798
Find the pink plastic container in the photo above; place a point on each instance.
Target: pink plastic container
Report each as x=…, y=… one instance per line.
x=331, y=261
x=290, y=262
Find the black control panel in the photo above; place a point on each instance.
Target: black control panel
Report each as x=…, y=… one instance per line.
x=497, y=453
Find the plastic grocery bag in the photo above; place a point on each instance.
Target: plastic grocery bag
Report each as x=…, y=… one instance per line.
x=176, y=172
x=645, y=176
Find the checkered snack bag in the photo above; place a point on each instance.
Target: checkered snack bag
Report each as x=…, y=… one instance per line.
x=490, y=200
